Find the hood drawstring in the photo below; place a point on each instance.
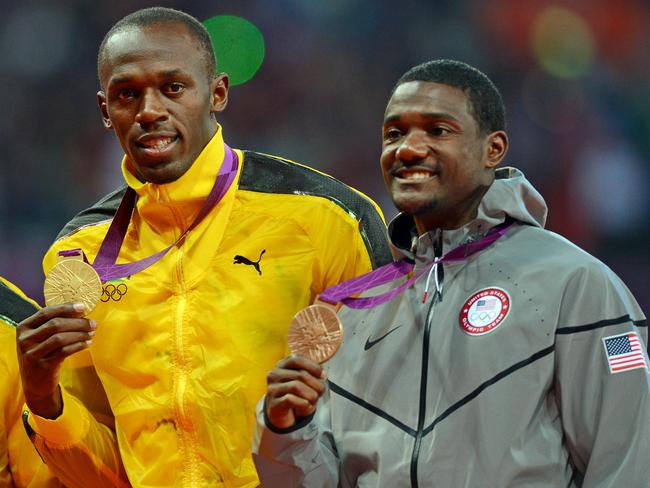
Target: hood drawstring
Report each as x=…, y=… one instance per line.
x=433, y=271
x=436, y=270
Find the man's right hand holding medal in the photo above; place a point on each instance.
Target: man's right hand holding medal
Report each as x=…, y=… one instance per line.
x=294, y=387
x=297, y=382
x=43, y=341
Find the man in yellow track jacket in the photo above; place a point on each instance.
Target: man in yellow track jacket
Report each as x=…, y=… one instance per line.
x=20, y=465
x=164, y=374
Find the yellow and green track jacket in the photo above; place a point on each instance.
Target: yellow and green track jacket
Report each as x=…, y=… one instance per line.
x=20, y=465
x=182, y=348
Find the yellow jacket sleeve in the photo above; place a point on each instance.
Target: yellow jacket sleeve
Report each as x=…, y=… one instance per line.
x=79, y=450
x=340, y=247
x=80, y=446
x=10, y=407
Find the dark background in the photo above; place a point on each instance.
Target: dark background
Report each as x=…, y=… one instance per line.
x=575, y=76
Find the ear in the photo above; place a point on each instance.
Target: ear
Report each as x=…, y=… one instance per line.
x=497, y=147
x=219, y=91
x=101, y=100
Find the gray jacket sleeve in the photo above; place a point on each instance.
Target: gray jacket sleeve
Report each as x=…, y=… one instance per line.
x=304, y=455
x=605, y=415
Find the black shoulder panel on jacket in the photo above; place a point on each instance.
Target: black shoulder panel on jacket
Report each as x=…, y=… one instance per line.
x=103, y=210
x=13, y=307
x=268, y=174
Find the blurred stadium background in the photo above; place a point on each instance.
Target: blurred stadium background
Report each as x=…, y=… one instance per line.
x=575, y=76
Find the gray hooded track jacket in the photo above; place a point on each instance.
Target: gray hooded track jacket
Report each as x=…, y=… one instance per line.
x=526, y=367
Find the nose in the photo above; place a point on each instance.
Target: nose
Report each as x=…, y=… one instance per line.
x=152, y=108
x=412, y=147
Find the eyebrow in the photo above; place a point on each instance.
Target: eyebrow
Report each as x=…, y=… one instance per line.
x=426, y=115
x=172, y=73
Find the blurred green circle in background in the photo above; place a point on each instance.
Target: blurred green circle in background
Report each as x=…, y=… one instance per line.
x=239, y=47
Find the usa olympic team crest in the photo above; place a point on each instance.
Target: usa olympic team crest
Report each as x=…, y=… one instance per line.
x=484, y=311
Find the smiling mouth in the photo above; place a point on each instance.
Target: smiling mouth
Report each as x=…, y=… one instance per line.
x=414, y=175
x=157, y=144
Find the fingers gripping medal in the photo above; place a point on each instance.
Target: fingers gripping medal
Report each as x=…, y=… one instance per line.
x=316, y=333
x=73, y=281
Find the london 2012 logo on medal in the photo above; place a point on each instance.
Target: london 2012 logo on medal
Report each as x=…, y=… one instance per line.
x=484, y=311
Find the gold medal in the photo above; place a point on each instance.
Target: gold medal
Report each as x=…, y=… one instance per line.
x=73, y=281
x=316, y=333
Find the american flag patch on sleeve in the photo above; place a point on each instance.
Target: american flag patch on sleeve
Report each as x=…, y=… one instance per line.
x=625, y=352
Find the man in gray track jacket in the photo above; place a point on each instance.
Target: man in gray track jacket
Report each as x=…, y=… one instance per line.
x=522, y=364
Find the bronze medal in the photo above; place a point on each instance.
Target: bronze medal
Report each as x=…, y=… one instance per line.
x=72, y=281
x=316, y=333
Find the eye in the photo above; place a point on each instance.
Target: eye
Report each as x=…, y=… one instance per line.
x=392, y=134
x=126, y=94
x=440, y=130
x=174, y=88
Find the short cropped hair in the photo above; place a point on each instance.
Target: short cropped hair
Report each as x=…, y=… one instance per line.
x=486, y=104
x=162, y=15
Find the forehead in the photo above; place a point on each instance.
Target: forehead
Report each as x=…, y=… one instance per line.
x=424, y=97
x=160, y=47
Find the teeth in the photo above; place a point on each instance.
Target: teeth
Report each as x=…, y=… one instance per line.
x=158, y=143
x=415, y=175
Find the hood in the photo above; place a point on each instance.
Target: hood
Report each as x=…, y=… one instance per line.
x=510, y=195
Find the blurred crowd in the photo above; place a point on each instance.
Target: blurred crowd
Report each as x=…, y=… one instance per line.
x=575, y=76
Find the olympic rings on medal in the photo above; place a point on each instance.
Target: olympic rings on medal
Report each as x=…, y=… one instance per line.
x=113, y=292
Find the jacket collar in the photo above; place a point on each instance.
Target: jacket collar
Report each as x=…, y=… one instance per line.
x=510, y=195
x=196, y=183
x=175, y=204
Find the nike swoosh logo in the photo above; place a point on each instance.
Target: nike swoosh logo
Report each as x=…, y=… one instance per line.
x=370, y=343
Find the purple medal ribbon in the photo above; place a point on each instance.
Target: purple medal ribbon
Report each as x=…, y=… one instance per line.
x=343, y=292
x=110, y=248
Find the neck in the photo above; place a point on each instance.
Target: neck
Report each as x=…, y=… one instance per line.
x=427, y=223
x=450, y=218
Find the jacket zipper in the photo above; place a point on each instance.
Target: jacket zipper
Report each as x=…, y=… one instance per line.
x=423, y=393
x=437, y=245
x=184, y=424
